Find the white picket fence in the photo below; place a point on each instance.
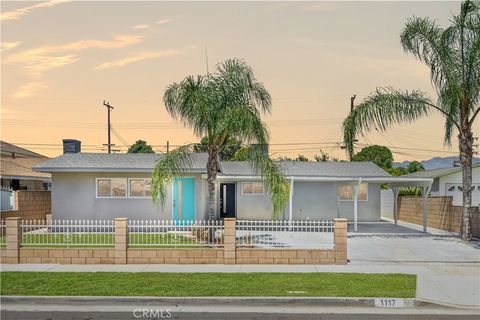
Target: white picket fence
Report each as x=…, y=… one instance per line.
x=69, y=233
x=175, y=233
x=3, y=226
x=285, y=234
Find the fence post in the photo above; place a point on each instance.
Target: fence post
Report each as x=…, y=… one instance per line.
x=13, y=235
x=121, y=240
x=340, y=240
x=229, y=240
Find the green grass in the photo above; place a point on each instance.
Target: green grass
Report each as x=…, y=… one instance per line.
x=207, y=284
x=59, y=240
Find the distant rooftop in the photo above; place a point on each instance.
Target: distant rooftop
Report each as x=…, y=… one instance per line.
x=11, y=150
x=435, y=173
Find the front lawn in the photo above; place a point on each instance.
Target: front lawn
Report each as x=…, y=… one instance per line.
x=207, y=284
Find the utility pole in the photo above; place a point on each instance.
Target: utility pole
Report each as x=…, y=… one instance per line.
x=109, y=108
x=168, y=146
x=206, y=58
x=352, y=105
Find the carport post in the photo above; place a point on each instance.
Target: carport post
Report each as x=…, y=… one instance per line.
x=290, y=210
x=425, y=191
x=355, y=204
x=395, y=190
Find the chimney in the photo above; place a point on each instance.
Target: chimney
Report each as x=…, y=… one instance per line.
x=71, y=146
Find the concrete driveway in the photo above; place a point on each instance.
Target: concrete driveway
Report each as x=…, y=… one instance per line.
x=412, y=249
x=447, y=269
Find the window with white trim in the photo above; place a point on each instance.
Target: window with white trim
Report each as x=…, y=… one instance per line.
x=140, y=188
x=111, y=187
x=345, y=193
x=252, y=188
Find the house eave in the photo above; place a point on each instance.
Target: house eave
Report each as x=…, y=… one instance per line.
x=390, y=180
x=25, y=177
x=116, y=170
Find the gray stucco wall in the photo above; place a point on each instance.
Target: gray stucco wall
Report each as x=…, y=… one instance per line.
x=367, y=210
x=318, y=200
x=73, y=197
x=312, y=200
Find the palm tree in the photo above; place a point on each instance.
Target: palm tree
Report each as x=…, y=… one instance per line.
x=453, y=57
x=224, y=105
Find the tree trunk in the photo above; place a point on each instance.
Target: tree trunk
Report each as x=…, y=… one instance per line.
x=466, y=154
x=212, y=170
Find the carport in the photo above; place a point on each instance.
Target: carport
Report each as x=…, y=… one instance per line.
x=396, y=183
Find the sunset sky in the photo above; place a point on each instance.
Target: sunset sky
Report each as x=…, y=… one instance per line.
x=61, y=59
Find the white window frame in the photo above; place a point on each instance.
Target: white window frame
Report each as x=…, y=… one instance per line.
x=353, y=199
x=252, y=194
x=110, y=197
x=141, y=197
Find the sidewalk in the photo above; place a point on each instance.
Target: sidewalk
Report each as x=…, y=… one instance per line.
x=453, y=283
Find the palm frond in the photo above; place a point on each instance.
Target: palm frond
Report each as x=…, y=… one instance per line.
x=381, y=110
x=277, y=185
x=170, y=166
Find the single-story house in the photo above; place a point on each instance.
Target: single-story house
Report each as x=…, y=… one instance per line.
x=105, y=186
x=448, y=182
x=16, y=169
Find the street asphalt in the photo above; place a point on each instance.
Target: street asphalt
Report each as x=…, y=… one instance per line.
x=61, y=315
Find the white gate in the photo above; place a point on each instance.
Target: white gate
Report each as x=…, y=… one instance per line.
x=6, y=199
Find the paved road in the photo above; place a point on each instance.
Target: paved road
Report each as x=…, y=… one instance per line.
x=60, y=315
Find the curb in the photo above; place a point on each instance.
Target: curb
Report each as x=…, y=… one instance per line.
x=205, y=301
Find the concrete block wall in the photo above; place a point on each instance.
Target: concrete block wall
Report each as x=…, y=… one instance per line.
x=441, y=213
x=30, y=205
x=121, y=253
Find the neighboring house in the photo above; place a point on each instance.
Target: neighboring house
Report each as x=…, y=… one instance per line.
x=448, y=182
x=105, y=186
x=16, y=169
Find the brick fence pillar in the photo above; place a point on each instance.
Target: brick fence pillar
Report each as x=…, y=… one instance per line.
x=13, y=235
x=340, y=240
x=229, y=240
x=121, y=240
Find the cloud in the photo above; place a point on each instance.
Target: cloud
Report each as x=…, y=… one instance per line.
x=140, y=27
x=28, y=90
x=42, y=58
x=136, y=58
x=4, y=46
x=17, y=14
x=307, y=41
x=167, y=20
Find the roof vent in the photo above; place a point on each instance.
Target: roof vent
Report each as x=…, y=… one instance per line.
x=71, y=146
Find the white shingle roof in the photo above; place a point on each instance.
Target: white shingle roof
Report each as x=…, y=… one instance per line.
x=310, y=169
x=144, y=162
x=126, y=162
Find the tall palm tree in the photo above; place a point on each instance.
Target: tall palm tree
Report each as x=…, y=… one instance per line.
x=453, y=57
x=220, y=106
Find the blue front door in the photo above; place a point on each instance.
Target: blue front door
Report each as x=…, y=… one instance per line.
x=184, y=199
